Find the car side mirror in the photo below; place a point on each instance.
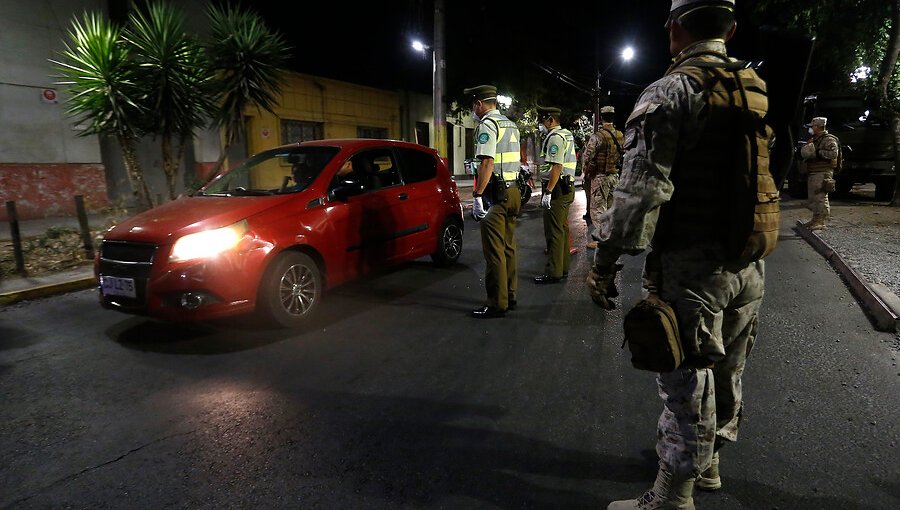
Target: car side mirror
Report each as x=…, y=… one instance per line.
x=345, y=189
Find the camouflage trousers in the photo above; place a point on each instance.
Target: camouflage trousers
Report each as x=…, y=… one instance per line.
x=817, y=200
x=602, y=186
x=717, y=309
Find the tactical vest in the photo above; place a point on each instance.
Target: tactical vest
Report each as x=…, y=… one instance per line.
x=820, y=164
x=612, y=161
x=507, y=156
x=570, y=162
x=724, y=192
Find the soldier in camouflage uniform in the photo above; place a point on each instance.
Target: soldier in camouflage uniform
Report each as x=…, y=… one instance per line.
x=715, y=300
x=821, y=154
x=600, y=162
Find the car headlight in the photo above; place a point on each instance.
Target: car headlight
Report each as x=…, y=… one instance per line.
x=208, y=243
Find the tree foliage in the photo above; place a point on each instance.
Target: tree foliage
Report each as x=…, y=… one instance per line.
x=247, y=58
x=850, y=35
x=101, y=80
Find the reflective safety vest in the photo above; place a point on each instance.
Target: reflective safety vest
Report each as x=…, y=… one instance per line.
x=570, y=162
x=507, y=156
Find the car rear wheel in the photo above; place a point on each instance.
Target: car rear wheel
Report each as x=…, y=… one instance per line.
x=291, y=291
x=884, y=189
x=449, y=244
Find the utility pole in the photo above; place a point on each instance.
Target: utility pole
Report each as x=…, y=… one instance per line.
x=440, y=115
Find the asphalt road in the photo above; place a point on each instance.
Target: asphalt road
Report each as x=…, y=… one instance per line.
x=395, y=398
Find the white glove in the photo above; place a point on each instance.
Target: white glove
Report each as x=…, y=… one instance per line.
x=545, y=201
x=478, y=211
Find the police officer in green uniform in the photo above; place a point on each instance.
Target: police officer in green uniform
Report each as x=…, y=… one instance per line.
x=496, y=200
x=558, y=183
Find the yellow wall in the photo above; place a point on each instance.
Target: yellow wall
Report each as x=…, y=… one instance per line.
x=340, y=106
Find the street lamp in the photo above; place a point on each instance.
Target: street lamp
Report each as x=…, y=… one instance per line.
x=627, y=54
x=419, y=46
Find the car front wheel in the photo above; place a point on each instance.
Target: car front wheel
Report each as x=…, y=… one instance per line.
x=449, y=244
x=291, y=291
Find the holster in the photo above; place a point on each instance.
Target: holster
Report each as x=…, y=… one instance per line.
x=497, y=189
x=564, y=184
x=829, y=185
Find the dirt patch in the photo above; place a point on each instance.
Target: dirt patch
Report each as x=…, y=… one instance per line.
x=54, y=251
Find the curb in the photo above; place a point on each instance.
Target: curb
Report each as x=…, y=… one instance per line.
x=873, y=299
x=47, y=290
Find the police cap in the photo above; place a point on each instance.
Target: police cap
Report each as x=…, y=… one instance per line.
x=481, y=92
x=678, y=4
x=546, y=111
x=608, y=109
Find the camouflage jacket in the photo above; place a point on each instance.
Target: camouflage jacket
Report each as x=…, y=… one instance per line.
x=666, y=118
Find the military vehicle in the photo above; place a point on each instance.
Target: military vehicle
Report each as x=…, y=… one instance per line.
x=866, y=144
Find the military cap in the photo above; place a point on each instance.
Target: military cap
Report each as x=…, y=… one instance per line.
x=546, y=111
x=818, y=121
x=608, y=109
x=481, y=92
x=678, y=4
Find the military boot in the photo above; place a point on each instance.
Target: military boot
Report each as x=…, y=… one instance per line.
x=709, y=480
x=816, y=223
x=667, y=493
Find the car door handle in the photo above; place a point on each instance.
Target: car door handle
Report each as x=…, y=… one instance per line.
x=402, y=196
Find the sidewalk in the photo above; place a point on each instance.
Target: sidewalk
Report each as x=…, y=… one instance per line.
x=861, y=241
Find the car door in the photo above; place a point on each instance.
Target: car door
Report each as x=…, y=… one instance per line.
x=421, y=207
x=366, y=225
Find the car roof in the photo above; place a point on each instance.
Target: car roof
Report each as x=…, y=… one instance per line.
x=359, y=143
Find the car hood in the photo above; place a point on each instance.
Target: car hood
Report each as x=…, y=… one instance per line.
x=175, y=219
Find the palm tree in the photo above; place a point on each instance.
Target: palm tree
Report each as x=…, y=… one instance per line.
x=174, y=81
x=246, y=57
x=102, y=93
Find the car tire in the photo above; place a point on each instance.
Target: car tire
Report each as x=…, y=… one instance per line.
x=449, y=245
x=798, y=188
x=291, y=290
x=884, y=189
x=843, y=187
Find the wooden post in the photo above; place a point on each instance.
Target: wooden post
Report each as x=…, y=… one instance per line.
x=16, y=236
x=85, y=230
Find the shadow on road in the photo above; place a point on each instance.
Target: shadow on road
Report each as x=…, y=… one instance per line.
x=15, y=338
x=235, y=334
x=415, y=452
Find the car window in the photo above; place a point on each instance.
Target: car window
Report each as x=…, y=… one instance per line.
x=417, y=166
x=277, y=171
x=376, y=169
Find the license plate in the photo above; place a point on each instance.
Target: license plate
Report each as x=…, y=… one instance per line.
x=112, y=286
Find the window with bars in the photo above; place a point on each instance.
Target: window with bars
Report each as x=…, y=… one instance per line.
x=295, y=131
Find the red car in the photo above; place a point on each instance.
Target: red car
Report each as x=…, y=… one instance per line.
x=271, y=234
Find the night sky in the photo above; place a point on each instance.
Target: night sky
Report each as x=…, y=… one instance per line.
x=488, y=42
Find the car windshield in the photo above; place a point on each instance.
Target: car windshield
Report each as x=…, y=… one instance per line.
x=273, y=172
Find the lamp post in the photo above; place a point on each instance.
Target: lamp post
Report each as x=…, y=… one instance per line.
x=439, y=122
x=626, y=55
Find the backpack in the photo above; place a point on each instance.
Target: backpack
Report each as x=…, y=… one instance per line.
x=619, y=150
x=751, y=212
